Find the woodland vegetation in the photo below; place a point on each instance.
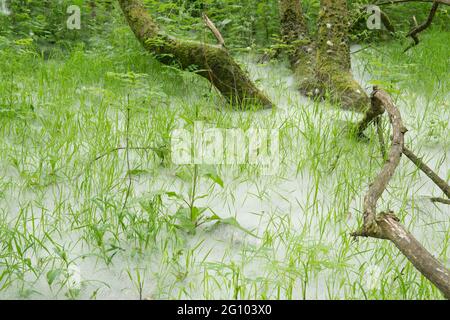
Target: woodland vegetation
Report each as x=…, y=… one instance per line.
x=94, y=205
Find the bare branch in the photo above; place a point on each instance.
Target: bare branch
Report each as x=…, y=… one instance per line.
x=441, y=200
x=384, y=3
x=387, y=225
x=418, y=29
x=377, y=188
x=214, y=30
x=387, y=22
x=423, y=261
x=427, y=170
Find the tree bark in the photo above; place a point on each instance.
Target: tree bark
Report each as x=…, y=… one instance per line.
x=422, y=260
x=213, y=62
x=301, y=52
x=427, y=170
x=414, y=33
x=322, y=67
x=372, y=114
x=333, y=57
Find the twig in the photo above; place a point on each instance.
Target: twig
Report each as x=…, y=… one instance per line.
x=387, y=22
x=418, y=29
x=446, y=2
x=440, y=200
x=427, y=170
x=214, y=30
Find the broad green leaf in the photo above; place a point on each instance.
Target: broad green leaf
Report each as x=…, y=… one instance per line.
x=52, y=275
x=215, y=178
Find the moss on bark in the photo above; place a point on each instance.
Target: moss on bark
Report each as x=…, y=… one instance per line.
x=322, y=67
x=333, y=69
x=212, y=62
x=296, y=35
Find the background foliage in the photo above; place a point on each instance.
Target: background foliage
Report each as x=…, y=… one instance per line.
x=244, y=23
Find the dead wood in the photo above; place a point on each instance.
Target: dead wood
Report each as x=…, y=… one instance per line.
x=440, y=200
x=387, y=225
x=383, y=3
x=428, y=171
x=387, y=22
x=211, y=62
x=418, y=29
x=214, y=30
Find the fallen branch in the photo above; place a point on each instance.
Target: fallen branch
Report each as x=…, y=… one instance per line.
x=446, y=2
x=214, y=30
x=377, y=188
x=210, y=61
x=387, y=225
x=387, y=22
x=418, y=29
x=373, y=116
x=427, y=170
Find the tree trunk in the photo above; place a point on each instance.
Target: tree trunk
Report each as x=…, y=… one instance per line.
x=322, y=67
x=295, y=33
x=333, y=57
x=93, y=6
x=212, y=62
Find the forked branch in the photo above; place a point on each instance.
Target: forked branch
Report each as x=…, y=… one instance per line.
x=418, y=29
x=388, y=2
x=387, y=225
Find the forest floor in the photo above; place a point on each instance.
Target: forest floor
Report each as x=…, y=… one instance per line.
x=79, y=219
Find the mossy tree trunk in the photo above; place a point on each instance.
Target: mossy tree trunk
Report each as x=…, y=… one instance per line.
x=212, y=62
x=333, y=57
x=322, y=66
x=295, y=33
